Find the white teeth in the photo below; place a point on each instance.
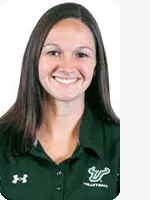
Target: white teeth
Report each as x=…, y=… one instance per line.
x=61, y=80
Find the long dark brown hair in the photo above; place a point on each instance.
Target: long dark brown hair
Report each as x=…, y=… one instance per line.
x=25, y=115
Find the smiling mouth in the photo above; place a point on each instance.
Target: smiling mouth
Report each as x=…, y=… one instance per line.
x=65, y=80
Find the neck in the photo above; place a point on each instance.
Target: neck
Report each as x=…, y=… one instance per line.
x=61, y=119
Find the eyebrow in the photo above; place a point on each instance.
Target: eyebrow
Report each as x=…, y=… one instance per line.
x=79, y=47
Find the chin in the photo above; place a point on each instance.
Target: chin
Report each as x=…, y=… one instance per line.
x=66, y=98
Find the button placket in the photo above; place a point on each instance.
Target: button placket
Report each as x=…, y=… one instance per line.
x=59, y=185
x=58, y=188
x=59, y=173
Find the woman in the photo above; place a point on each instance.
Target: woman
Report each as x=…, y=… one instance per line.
x=60, y=139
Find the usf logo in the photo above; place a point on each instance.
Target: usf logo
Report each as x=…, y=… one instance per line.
x=96, y=177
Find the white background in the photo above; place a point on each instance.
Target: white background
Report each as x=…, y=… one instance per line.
x=135, y=91
x=17, y=20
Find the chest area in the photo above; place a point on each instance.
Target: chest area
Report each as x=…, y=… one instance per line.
x=84, y=177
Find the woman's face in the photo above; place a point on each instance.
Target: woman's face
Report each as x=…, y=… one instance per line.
x=67, y=60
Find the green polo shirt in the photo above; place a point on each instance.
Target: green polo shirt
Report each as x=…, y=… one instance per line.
x=91, y=173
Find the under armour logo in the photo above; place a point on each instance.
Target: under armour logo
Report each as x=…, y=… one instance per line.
x=23, y=179
x=96, y=175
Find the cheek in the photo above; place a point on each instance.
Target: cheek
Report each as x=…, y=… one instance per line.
x=42, y=71
x=44, y=67
x=88, y=69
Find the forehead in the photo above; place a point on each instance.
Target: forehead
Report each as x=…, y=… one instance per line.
x=71, y=29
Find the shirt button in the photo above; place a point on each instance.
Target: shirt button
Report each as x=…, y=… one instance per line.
x=59, y=173
x=58, y=188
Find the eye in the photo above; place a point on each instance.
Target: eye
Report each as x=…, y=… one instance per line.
x=82, y=55
x=53, y=53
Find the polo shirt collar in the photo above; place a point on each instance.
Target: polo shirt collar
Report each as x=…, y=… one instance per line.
x=90, y=134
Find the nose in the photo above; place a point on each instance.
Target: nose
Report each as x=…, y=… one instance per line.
x=67, y=63
x=67, y=69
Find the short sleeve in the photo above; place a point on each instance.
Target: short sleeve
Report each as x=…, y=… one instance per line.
x=0, y=180
x=118, y=184
x=1, y=152
x=117, y=152
x=113, y=146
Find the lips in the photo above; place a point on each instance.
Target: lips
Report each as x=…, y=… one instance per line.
x=67, y=78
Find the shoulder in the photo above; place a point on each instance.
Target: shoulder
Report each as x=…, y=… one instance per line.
x=2, y=147
x=112, y=130
x=2, y=143
x=3, y=139
x=111, y=138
